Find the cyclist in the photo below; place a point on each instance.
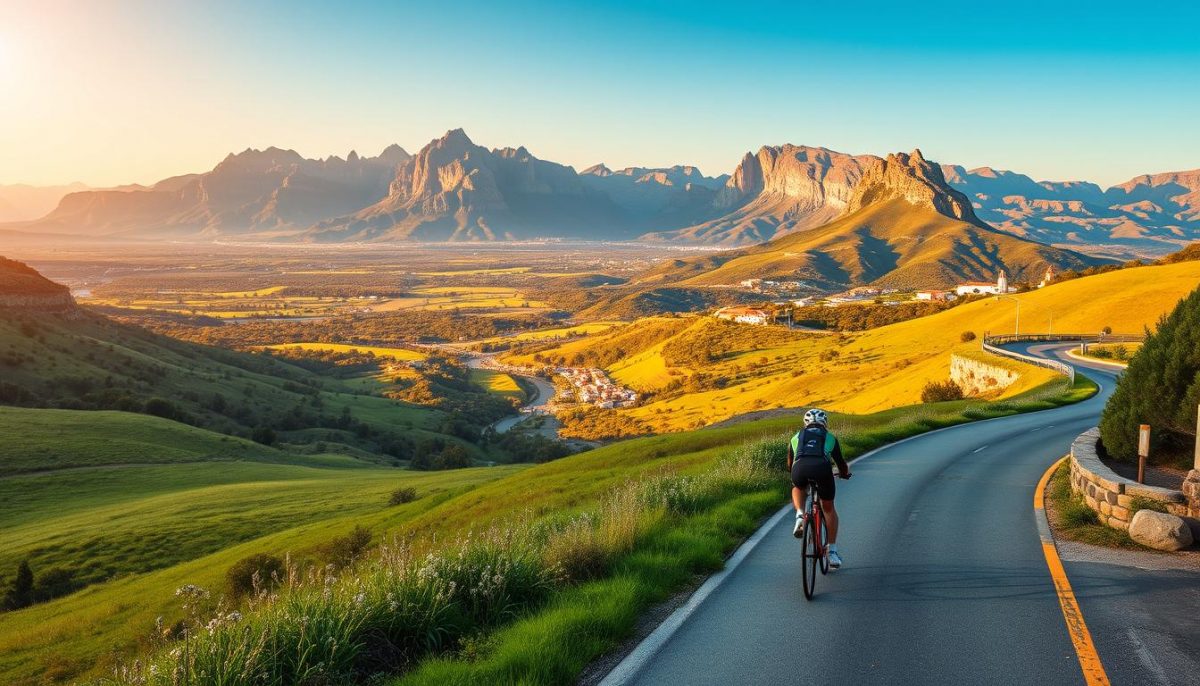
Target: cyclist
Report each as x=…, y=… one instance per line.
x=811, y=452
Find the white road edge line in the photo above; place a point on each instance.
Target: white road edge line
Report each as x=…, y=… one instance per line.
x=979, y=449
x=629, y=667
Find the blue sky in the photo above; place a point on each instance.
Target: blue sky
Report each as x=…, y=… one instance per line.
x=134, y=91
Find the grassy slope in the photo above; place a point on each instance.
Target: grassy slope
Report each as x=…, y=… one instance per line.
x=402, y=354
x=891, y=243
x=150, y=529
x=864, y=378
x=114, y=357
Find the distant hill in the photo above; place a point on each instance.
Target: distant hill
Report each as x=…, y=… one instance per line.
x=21, y=286
x=905, y=227
x=22, y=202
x=80, y=360
x=255, y=191
x=1148, y=215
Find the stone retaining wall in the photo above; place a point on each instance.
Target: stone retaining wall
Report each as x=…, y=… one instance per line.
x=1111, y=495
x=980, y=378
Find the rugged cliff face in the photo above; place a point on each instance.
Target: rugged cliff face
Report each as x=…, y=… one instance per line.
x=22, y=287
x=779, y=190
x=456, y=190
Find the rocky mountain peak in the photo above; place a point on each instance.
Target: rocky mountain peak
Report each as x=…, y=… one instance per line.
x=910, y=177
x=598, y=170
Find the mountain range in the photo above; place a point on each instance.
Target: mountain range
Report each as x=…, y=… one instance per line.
x=903, y=226
x=455, y=190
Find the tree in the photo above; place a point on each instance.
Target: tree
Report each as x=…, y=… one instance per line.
x=20, y=594
x=967, y=336
x=1161, y=387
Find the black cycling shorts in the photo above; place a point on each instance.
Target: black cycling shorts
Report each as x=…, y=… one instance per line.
x=816, y=470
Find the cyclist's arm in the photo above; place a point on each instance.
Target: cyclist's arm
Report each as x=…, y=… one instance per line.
x=840, y=461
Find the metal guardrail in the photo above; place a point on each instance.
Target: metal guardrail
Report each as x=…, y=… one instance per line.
x=1065, y=337
x=992, y=343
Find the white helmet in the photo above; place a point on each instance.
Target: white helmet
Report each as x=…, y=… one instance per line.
x=816, y=416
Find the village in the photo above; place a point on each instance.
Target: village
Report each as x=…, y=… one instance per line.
x=860, y=295
x=593, y=386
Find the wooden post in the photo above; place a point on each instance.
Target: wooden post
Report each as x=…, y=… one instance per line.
x=1143, y=451
x=1196, y=459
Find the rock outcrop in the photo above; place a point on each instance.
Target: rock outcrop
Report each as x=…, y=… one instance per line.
x=910, y=177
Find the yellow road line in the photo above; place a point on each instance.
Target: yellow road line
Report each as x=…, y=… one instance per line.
x=1081, y=638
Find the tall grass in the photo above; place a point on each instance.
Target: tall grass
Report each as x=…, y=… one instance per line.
x=410, y=600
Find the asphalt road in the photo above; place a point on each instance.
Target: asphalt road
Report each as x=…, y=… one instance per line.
x=945, y=581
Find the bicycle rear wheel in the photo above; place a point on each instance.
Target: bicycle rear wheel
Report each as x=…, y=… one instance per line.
x=808, y=560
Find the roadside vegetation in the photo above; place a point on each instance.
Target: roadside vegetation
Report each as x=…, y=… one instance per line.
x=1160, y=387
x=569, y=552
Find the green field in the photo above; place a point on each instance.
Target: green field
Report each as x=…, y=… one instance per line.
x=131, y=531
x=498, y=383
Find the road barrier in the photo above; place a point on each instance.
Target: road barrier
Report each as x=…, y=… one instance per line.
x=992, y=345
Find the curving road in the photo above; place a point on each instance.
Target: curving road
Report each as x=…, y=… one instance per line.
x=945, y=581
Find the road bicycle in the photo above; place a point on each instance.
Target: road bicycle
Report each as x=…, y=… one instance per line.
x=814, y=553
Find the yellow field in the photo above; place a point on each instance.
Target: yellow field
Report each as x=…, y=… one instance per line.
x=876, y=369
x=401, y=354
x=478, y=272
x=461, y=297
x=497, y=382
x=260, y=293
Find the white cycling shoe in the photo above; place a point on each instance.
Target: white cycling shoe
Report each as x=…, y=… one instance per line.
x=835, y=560
x=798, y=530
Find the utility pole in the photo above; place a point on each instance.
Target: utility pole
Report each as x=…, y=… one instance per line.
x=1017, y=329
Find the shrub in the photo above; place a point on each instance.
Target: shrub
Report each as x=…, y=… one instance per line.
x=967, y=336
x=252, y=575
x=935, y=392
x=1161, y=387
x=403, y=495
x=1076, y=513
x=264, y=434
x=343, y=551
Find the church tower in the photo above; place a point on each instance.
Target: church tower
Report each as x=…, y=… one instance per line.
x=1002, y=282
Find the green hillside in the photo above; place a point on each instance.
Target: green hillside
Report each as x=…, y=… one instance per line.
x=890, y=243
x=78, y=360
x=118, y=533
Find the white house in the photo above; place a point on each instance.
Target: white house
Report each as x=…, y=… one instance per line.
x=935, y=296
x=743, y=315
x=983, y=288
